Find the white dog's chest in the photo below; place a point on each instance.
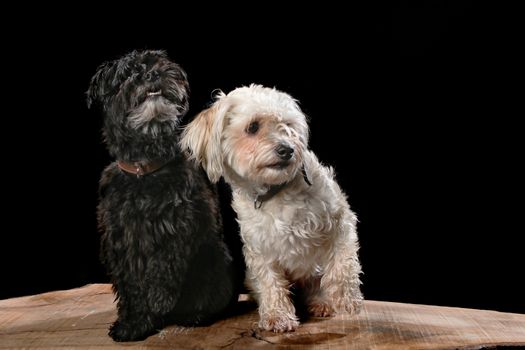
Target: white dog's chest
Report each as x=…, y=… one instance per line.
x=295, y=236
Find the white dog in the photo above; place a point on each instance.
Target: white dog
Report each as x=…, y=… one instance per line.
x=295, y=222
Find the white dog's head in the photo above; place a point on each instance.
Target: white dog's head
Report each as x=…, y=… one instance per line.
x=253, y=134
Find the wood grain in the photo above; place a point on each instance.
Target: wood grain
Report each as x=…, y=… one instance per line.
x=79, y=319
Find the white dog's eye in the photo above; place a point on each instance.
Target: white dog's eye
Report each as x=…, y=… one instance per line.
x=253, y=128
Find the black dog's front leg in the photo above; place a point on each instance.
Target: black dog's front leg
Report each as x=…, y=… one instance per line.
x=132, y=331
x=135, y=320
x=142, y=311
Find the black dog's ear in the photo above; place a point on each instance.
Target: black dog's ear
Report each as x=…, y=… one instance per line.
x=98, y=86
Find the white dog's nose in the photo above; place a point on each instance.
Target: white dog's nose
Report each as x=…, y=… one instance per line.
x=284, y=152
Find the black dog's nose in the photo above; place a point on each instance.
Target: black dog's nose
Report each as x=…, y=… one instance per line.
x=152, y=76
x=284, y=152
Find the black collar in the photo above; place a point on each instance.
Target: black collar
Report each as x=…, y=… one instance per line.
x=274, y=189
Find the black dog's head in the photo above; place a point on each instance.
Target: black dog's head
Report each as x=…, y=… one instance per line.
x=142, y=95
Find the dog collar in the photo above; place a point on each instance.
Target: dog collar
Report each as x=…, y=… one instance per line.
x=273, y=190
x=141, y=168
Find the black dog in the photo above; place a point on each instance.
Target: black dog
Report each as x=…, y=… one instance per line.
x=162, y=238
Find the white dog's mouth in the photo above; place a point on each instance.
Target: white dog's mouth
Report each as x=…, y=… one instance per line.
x=279, y=165
x=154, y=93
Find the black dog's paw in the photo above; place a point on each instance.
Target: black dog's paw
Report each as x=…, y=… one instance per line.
x=130, y=332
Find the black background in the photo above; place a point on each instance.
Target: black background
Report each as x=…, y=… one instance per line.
x=408, y=101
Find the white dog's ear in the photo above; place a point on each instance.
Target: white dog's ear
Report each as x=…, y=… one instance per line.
x=202, y=137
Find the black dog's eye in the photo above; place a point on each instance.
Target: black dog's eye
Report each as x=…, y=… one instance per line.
x=252, y=128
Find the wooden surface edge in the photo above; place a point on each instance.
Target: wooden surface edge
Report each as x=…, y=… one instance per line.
x=80, y=317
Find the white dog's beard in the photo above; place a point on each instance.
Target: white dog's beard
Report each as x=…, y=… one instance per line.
x=277, y=175
x=263, y=167
x=272, y=175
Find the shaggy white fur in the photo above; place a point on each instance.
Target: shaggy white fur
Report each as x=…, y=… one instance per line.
x=295, y=222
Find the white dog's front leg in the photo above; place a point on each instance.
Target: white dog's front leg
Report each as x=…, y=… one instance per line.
x=340, y=282
x=268, y=282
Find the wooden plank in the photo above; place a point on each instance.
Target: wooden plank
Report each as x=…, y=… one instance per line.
x=79, y=318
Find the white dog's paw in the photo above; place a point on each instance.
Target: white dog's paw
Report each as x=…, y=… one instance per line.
x=352, y=306
x=279, y=323
x=321, y=309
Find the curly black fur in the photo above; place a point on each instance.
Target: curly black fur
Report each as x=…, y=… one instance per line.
x=162, y=239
